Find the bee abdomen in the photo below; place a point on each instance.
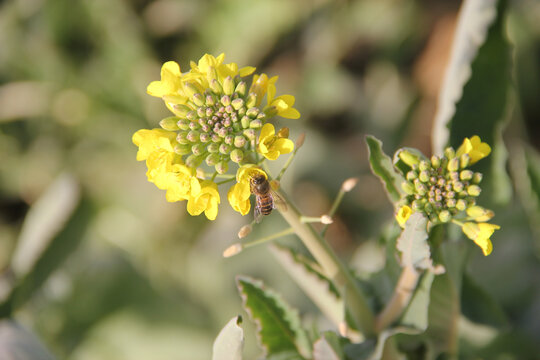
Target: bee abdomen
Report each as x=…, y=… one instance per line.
x=266, y=205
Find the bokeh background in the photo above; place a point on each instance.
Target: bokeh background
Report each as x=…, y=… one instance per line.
x=140, y=278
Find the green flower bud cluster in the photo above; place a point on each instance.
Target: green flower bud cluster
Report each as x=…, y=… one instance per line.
x=218, y=125
x=441, y=187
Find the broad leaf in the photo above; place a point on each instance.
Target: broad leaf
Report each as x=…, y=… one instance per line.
x=413, y=245
x=18, y=344
x=478, y=306
x=328, y=347
x=278, y=326
x=382, y=166
x=317, y=286
x=230, y=341
x=416, y=314
x=471, y=44
x=63, y=218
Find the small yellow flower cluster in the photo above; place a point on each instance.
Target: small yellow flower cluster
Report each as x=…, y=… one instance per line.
x=216, y=122
x=445, y=190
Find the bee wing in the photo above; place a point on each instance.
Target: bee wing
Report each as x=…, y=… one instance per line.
x=257, y=213
x=278, y=202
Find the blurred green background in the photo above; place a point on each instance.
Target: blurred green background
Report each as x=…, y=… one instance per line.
x=137, y=277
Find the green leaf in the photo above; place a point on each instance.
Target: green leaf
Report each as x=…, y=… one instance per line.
x=230, y=341
x=480, y=307
x=18, y=344
x=63, y=219
x=413, y=245
x=382, y=167
x=473, y=93
x=325, y=350
x=416, y=314
x=316, y=286
x=278, y=326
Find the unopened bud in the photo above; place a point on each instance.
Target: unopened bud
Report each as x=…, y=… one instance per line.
x=424, y=165
x=229, y=139
x=450, y=153
x=192, y=115
x=349, y=184
x=241, y=88
x=210, y=100
x=181, y=138
x=444, y=216
x=198, y=149
x=408, y=187
x=474, y=190
x=183, y=124
x=423, y=176
x=245, y=121
x=478, y=213
x=252, y=112
x=198, y=100
x=300, y=140
x=237, y=103
x=250, y=134
x=237, y=155
x=228, y=85
x=181, y=110
x=435, y=161
x=190, y=89
x=244, y=231
x=182, y=149
x=255, y=124
x=224, y=149
x=477, y=178
x=239, y=141
x=466, y=175
x=216, y=86
x=232, y=250
x=193, y=136
x=212, y=159
x=325, y=219
x=461, y=205
x=408, y=158
x=222, y=167
x=251, y=100
x=194, y=161
x=170, y=123
x=464, y=161
x=453, y=164
x=225, y=100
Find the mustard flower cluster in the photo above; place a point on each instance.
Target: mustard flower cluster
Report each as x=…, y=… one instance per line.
x=221, y=115
x=444, y=189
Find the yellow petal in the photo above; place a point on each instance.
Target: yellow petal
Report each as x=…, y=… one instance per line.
x=403, y=215
x=284, y=146
x=476, y=149
x=247, y=70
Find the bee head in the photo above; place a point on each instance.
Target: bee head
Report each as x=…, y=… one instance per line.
x=258, y=179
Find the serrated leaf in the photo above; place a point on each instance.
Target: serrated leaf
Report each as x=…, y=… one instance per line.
x=478, y=306
x=474, y=20
x=230, y=341
x=18, y=344
x=316, y=286
x=382, y=166
x=328, y=347
x=413, y=245
x=278, y=326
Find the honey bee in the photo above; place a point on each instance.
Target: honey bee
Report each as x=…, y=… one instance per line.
x=265, y=198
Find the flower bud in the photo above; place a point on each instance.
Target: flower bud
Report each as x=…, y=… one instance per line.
x=453, y=164
x=225, y=100
x=423, y=176
x=228, y=85
x=201, y=112
x=212, y=159
x=181, y=110
x=407, y=187
x=300, y=140
x=444, y=216
x=245, y=121
x=198, y=99
x=477, y=178
x=181, y=138
x=169, y=123
x=451, y=203
x=198, y=149
x=190, y=89
x=216, y=86
x=283, y=133
x=182, y=149
x=466, y=175
x=250, y=134
x=461, y=205
x=474, y=190
x=239, y=141
x=464, y=161
x=237, y=155
x=435, y=161
x=224, y=149
x=237, y=103
x=424, y=165
x=192, y=115
x=194, y=161
x=411, y=175
x=183, y=124
x=205, y=137
x=255, y=124
x=450, y=153
x=251, y=100
x=326, y=220
x=234, y=249
x=193, y=136
x=458, y=186
x=210, y=100
x=417, y=205
x=222, y=167
x=252, y=112
x=349, y=184
x=408, y=158
x=213, y=147
x=241, y=88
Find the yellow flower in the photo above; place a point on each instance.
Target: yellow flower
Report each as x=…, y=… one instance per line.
x=281, y=105
x=403, y=215
x=479, y=214
x=178, y=183
x=204, y=197
x=480, y=234
x=240, y=192
x=208, y=63
x=476, y=149
x=272, y=145
x=149, y=141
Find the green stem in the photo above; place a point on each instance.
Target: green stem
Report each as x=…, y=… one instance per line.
x=286, y=166
x=225, y=181
x=310, y=219
x=334, y=208
x=334, y=269
x=268, y=238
